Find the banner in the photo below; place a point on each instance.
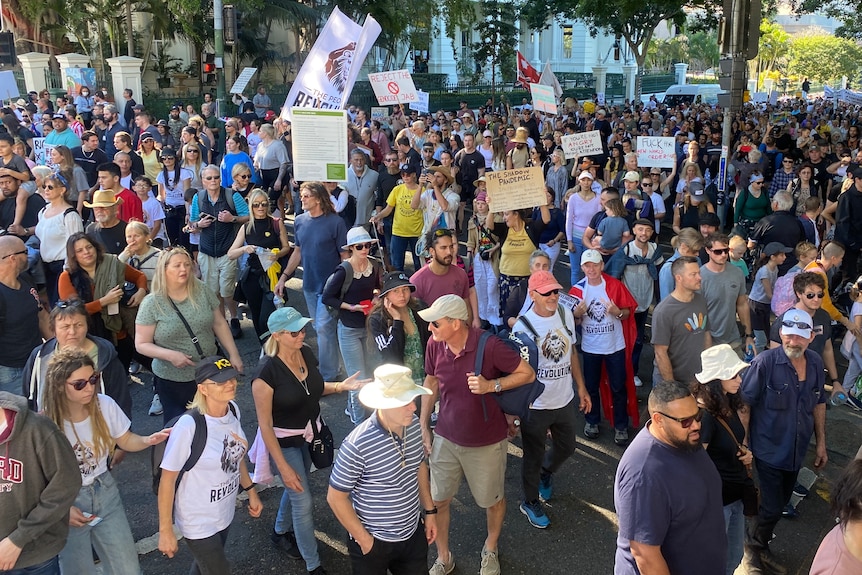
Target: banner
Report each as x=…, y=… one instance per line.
x=420, y=105
x=516, y=189
x=393, y=87
x=583, y=144
x=526, y=73
x=550, y=79
x=331, y=68
x=543, y=99
x=241, y=82
x=76, y=78
x=656, y=152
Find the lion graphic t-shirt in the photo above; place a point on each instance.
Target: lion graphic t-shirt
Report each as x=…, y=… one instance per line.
x=555, y=357
x=80, y=436
x=206, y=498
x=601, y=333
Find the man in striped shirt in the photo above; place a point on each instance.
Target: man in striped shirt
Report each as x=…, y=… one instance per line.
x=380, y=479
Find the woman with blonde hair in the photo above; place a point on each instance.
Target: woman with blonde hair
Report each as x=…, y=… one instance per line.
x=93, y=423
x=76, y=179
x=57, y=222
x=192, y=161
x=271, y=161
x=177, y=325
x=262, y=233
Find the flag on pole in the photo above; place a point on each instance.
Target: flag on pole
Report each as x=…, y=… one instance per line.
x=331, y=68
x=550, y=79
x=526, y=73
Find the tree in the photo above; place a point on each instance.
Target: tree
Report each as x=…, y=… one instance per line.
x=497, y=38
x=824, y=58
x=774, y=47
x=703, y=49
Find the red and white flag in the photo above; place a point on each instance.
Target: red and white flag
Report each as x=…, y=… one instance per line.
x=526, y=73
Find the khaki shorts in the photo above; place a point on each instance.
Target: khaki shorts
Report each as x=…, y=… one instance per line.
x=219, y=274
x=484, y=467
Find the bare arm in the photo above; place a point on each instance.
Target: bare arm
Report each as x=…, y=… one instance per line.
x=821, y=457
x=649, y=559
x=167, y=492
x=339, y=502
x=662, y=361
x=262, y=394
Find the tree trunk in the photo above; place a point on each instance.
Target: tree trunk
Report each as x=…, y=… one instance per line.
x=130, y=36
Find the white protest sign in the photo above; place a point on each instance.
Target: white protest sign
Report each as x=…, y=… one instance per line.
x=600, y=98
x=516, y=189
x=8, y=85
x=319, y=145
x=420, y=105
x=39, y=151
x=758, y=97
x=242, y=80
x=543, y=98
x=656, y=152
x=394, y=87
x=381, y=114
x=583, y=144
x=773, y=97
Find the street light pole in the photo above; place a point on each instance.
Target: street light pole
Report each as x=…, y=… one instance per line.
x=218, y=41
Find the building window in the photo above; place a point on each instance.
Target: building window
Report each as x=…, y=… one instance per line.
x=465, y=44
x=567, y=42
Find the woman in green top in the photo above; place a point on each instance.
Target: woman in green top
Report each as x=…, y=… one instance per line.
x=751, y=204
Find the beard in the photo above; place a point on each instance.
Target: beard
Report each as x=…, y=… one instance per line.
x=685, y=445
x=793, y=351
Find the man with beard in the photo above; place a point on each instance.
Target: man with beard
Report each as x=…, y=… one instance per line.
x=667, y=525
x=784, y=389
x=108, y=228
x=113, y=127
x=440, y=277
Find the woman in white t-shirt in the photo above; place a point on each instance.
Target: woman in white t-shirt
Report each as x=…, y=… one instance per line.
x=204, y=500
x=93, y=423
x=173, y=182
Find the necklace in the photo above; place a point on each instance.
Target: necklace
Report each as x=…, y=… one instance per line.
x=303, y=378
x=400, y=443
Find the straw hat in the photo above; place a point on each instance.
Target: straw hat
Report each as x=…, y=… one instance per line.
x=521, y=135
x=102, y=199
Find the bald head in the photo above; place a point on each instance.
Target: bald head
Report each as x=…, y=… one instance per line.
x=13, y=256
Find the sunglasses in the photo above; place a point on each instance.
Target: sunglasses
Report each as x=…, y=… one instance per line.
x=685, y=422
x=796, y=324
x=21, y=253
x=720, y=251
x=366, y=246
x=818, y=295
x=260, y=205
x=49, y=187
x=212, y=178
x=193, y=151
x=296, y=333
x=440, y=232
x=80, y=384
x=548, y=293
x=436, y=323
x=244, y=176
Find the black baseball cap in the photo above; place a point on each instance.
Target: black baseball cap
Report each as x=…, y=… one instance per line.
x=215, y=368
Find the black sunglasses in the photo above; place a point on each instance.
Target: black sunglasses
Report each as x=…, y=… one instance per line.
x=440, y=232
x=260, y=205
x=720, y=251
x=796, y=324
x=819, y=294
x=21, y=253
x=80, y=384
x=549, y=293
x=685, y=422
x=366, y=246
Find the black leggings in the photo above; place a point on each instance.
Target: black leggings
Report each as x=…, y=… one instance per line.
x=210, y=558
x=175, y=221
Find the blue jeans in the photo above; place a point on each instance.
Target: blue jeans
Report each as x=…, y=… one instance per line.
x=49, y=567
x=398, y=247
x=10, y=379
x=296, y=509
x=327, y=337
x=351, y=341
x=575, y=260
x=615, y=366
x=112, y=537
x=734, y=524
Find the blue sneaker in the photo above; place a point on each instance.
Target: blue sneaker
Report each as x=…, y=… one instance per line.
x=546, y=486
x=535, y=514
x=789, y=512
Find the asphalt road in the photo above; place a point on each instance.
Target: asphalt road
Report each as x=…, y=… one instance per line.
x=581, y=537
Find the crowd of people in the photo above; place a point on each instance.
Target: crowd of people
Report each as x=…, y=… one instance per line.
x=135, y=248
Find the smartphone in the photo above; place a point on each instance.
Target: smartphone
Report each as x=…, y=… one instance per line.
x=93, y=519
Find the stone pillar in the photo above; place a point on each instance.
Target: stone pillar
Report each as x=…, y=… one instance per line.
x=630, y=72
x=126, y=73
x=73, y=61
x=537, y=54
x=601, y=74
x=34, y=64
x=680, y=70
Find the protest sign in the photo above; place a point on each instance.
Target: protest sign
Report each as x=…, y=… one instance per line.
x=420, y=105
x=76, y=78
x=380, y=113
x=242, y=80
x=583, y=144
x=543, y=98
x=319, y=145
x=516, y=189
x=656, y=152
x=393, y=87
x=8, y=85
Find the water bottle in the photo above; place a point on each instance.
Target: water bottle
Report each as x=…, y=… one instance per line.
x=749, y=353
x=839, y=398
x=278, y=301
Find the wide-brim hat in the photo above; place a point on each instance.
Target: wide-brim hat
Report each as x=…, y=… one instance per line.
x=719, y=362
x=102, y=199
x=479, y=180
x=395, y=280
x=445, y=171
x=521, y=135
x=393, y=387
x=357, y=235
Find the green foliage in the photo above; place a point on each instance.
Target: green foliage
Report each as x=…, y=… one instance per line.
x=497, y=37
x=824, y=58
x=703, y=50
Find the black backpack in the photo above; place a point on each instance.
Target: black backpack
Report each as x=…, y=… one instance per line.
x=199, y=441
x=515, y=401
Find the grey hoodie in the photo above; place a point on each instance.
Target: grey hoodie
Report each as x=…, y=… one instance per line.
x=39, y=481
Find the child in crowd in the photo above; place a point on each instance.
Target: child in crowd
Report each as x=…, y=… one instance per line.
x=154, y=213
x=760, y=298
x=614, y=230
x=737, y=253
x=806, y=252
x=810, y=220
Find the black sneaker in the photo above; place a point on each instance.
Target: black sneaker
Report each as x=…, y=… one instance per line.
x=789, y=512
x=319, y=570
x=800, y=490
x=235, y=328
x=286, y=541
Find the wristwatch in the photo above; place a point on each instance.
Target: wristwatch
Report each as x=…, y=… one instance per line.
x=498, y=387
x=751, y=335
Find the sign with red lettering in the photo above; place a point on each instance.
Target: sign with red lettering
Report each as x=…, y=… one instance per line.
x=393, y=87
x=656, y=152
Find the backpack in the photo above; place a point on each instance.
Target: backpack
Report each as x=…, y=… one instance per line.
x=227, y=196
x=783, y=296
x=348, y=279
x=199, y=441
x=769, y=165
x=516, y=401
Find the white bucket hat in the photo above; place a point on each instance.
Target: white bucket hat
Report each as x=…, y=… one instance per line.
x=392, y=387
x=719, y=362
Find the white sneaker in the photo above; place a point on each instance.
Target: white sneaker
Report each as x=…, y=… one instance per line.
x=638, y=382
x=156, y=406
x=441, y=568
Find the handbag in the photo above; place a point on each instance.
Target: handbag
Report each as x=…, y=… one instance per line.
x=192, y=335
x=750, y=493
x=322, y=447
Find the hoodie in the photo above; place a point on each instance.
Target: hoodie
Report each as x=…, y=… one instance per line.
x=115, y=380
x=39, y=481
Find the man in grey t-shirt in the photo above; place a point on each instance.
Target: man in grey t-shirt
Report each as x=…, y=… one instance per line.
x=679, y=323
x=723, y=287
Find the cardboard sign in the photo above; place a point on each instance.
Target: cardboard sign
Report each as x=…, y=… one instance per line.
x=656, y=152
x=600, y=98
x=242, y=80
x=8, y=85
x=381, y=114
x=319, y=145
x=420, y=105
x=516, y=189
x=394, y=87
x=39, y=152
x=583, y=144
x=543, y=98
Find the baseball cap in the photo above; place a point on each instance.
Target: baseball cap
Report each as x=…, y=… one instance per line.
x=146, y=136
x=174, y=107
x=215, y=368
x=543, y=281
x=773, y=248
x=644, y=222
x=285, y=319
x=632, y=176
x=59, y=116
x=796, y=322
x=857, y=173
x=450, y=305
x=591, y=256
